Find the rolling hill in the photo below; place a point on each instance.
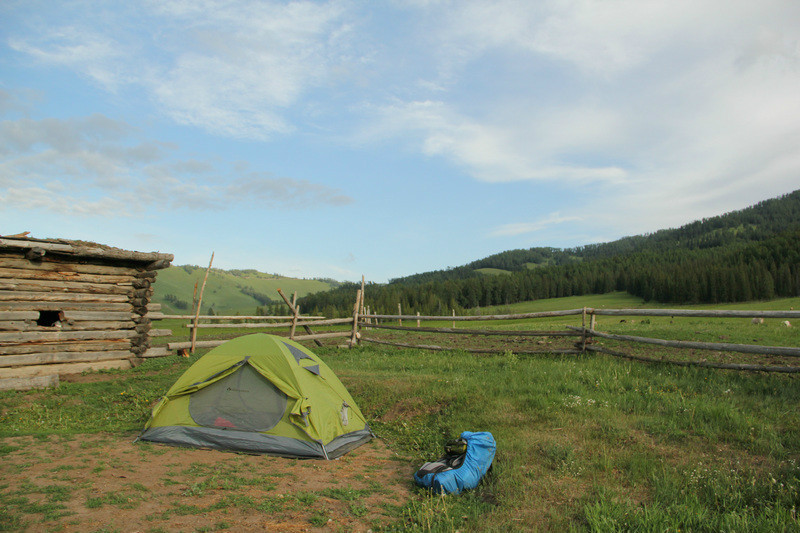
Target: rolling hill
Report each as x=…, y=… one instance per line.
x=229, y=291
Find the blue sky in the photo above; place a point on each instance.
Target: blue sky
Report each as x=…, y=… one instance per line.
x=341, y=138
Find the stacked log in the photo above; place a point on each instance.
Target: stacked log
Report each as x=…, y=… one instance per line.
x=70, y=306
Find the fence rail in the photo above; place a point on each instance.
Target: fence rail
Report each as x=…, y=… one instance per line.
x=362, y=318
x=586, y=333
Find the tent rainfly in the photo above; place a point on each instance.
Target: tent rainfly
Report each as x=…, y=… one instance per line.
x=260, y=394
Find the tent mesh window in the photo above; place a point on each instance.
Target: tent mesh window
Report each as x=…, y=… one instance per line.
x=243, y=400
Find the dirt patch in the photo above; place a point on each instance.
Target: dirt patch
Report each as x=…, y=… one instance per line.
x=101, y=482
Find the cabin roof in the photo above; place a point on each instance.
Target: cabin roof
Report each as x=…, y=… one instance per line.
x=83, y=249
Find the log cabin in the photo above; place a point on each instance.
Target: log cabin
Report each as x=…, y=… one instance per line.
x=69, y=307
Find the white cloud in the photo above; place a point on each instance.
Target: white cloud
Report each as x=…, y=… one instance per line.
x=233, y=69
x=668, y=107
x=521, y=228
x=96, y=166
x=489, y=152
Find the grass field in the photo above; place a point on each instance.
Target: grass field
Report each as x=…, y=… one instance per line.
x=585, y=443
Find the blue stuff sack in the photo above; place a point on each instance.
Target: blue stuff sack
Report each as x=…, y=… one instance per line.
x=454, y=473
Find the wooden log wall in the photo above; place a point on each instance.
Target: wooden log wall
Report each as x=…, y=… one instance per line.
x=68, y=307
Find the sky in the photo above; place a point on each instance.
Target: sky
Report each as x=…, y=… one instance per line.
x=345, y=138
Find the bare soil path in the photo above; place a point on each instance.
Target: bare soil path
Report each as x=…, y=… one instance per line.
x=88, y=483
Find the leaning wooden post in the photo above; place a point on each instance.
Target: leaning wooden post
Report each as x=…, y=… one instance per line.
x=399, y=313
x=199, y=303
x=291, y=308
x=194, y=305
x=354, y=336
x=593, y=321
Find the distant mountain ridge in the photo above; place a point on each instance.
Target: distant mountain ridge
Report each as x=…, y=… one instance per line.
x=755, y=223
x=753, y=253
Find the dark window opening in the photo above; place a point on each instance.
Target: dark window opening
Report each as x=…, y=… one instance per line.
x=49, y=319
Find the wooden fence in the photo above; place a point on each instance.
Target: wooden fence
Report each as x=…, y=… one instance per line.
x=584, y=335
x=588, y=331
x=292, y=322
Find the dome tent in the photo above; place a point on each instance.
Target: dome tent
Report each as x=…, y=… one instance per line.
x=260, y=394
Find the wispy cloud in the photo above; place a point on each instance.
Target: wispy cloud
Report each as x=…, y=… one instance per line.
x=231, y=70
x=96, y=166
x=521, y=228
x=669, y=110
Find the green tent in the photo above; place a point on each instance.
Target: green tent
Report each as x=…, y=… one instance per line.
x=260, y=394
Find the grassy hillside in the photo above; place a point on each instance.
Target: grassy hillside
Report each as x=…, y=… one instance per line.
x=227, y=291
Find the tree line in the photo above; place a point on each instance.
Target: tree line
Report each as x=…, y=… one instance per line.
x=745, y=255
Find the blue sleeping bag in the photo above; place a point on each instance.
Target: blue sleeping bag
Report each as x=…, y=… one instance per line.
x=453, y=474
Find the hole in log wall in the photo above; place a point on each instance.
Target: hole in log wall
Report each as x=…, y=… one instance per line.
x=49, y=319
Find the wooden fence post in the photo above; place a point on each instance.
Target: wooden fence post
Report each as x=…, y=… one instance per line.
x=199, y=303
x=583, y=330
x=354, y=337
x=417, y=318
x=454, y=322
x=295, y=316
x=399, y=313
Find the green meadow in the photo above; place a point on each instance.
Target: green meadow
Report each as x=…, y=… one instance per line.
x=227, y=291
x=585, y=443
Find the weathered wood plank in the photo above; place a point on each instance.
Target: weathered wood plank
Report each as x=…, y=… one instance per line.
x=461, y=331
x=92, y=316
x=715, y=313
x=477, y=318
x=65, y=306
x=785, y=351
x=39, y=382
x=246, y=317
x=197, y=344
x=60, y=336
x=62, y=369
x=19, y=315
x=317, y=336
x=434, y=347
x=61, y=357
x=87, y=250
x=66, y=346
x=35, y=285
x=54, y=275
x=159, y=333
x=328, y=322
x=160, y=351
x=67, y=326
x=263, y=325
x=51, y=264
x=25, y=296
x=17, y=325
